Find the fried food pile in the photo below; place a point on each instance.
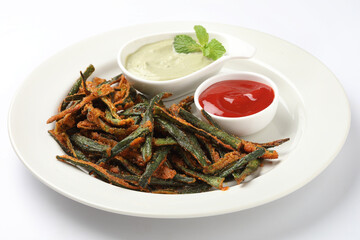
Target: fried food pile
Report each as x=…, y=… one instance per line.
x=113, y=132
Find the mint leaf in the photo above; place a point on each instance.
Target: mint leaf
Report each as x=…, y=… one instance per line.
x=201, y=34
x=185, y=44
x=214, y=49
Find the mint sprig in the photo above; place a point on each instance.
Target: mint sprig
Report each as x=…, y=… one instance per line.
x=185, y=44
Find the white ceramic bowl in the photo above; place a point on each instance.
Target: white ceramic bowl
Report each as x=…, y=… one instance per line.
x=235, y=48
x=247, y=125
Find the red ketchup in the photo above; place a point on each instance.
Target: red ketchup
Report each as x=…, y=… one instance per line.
x=236, y=98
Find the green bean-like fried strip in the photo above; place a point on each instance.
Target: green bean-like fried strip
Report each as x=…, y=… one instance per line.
x=250, y=168
x=210, y=148
x=116, y=121
x=234, y=142
x=164, y=141
x=136, y=110
x=195, y=188
x=190, y=127
x=115, y=79
x=88, y=144
x=111, y=107
x=165, y=182
x=77, y=96
x=128, y=99
x=184, y=141
x=75, y=88
x=146, y=148
x=94, y=115
x=102, y=91
x=196, y=143
x=187, y=189
x=153, y=181
x=112, y=80
x=184, y=179
x=186, y=158
x=140, y=132
x=157, y=159
x=80, y=155
x=242, y=162
x=112, y=130
x=128, y=165
x=211, y=180
x=113, y=179
x=83, y=80
x=273, y=143
x=187, y=102
x=223, y=162
x=210, y=119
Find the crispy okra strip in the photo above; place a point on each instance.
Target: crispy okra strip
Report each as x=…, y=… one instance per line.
x=112, y=80
x=128, y=165
x=250, y=147
x=111, y=107
x=187, y=189
x=209, y=147
x=184, y=103
x=233, y=141
x=184, y=179
x=86, y=124
x=146, y=148
x=164, y=141
x=80, y=155
x=242, y=162
x=184, y=141
x=113, y=179
x=160, y=111
x=88, y=144
x=223, y=162
x=208, y=128
x=136, y=110
x=187, y=158
x=74, y=97
x=94, y=115
x=116, y=121
x=128, y=99
x=66, y=123
x=214, y=181
x=250, y=168
x=195, y=188
x=210, y=119
x=102, y=91
x=153, y=181
x=157, y=159
x=140, y=132
x=75, y=88
x=273, y=143
x=165, y=182
x=83, y=81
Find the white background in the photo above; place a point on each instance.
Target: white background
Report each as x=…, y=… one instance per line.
x=326, y=208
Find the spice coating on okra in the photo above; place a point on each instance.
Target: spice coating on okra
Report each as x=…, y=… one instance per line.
x=114, y=133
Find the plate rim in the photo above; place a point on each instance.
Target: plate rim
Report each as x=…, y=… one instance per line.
x=57, y=189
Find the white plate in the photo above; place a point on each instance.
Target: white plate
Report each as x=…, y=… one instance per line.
x=313, y=112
